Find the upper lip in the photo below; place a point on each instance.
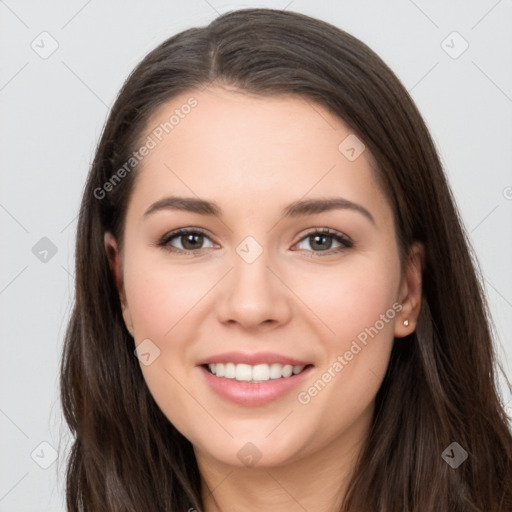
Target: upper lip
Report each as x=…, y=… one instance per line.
x=251, y=359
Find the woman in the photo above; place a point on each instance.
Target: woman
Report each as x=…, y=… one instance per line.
x=223, y=354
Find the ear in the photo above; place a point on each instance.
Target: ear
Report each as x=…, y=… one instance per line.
x=115, y=262
x=411, y=291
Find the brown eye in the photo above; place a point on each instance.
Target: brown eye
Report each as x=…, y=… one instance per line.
x=191, y=241
x=321, y=241
x=184, y=240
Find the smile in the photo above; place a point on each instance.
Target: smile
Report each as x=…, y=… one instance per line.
x=254, y=385
x=254, y=373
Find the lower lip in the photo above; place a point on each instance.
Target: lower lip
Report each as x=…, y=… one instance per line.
x=245, y=393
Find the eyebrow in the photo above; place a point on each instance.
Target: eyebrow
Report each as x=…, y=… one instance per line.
x=296, y=209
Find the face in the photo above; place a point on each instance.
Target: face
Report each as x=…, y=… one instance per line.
x=260, y=286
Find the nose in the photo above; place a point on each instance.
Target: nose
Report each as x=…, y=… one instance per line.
x=253, y=294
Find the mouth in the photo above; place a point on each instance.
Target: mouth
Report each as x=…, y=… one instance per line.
x=255, y=374
x=254, y=379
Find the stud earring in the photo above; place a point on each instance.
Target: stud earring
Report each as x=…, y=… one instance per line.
x=406, y=323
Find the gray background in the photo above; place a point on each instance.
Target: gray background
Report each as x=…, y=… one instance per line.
x=53, y=110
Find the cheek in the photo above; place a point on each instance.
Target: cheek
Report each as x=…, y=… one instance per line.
x=166, y=305
x=160, y=295
x=356, y=303
x=350, y=297
x=359, y=304
x=161, y=301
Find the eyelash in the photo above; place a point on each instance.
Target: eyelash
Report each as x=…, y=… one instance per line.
x=345, y=242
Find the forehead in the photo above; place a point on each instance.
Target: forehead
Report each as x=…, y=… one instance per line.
x=254, y=151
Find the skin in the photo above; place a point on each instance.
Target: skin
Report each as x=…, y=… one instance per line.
x=253, y=156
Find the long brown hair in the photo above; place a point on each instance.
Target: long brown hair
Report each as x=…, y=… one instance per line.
x=441, y=385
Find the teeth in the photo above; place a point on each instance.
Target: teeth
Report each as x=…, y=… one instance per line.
x=219, y=370
x=257, y=373
x=243, y=372
x=297, y=369
x=229, y=371
x=260, y=372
